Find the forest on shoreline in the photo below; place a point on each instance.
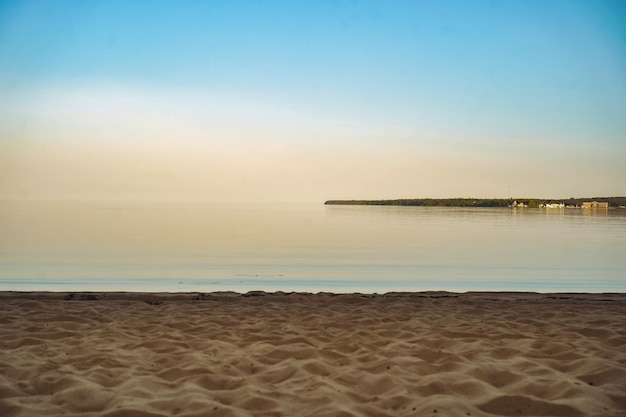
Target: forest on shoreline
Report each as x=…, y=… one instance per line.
x=614, y=202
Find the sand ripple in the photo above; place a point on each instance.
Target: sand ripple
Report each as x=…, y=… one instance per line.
x=428, y=354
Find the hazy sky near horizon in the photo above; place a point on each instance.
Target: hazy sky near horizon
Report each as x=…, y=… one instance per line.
x=311, y=100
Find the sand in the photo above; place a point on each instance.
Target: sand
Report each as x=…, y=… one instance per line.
x=258, y=354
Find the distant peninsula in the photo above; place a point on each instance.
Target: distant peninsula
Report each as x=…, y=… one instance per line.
x=613, y=202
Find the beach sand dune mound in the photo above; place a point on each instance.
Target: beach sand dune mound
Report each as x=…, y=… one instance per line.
x=223, y=354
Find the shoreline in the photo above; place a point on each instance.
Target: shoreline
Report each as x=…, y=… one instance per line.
x=199, y=295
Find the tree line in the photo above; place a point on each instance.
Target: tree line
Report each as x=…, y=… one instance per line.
x=478, y=202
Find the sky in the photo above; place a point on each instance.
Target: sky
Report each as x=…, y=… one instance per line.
x=306, y=101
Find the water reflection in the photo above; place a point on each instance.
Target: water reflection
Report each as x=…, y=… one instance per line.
x=203, y=247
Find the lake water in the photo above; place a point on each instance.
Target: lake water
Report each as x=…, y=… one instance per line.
x=203, y=247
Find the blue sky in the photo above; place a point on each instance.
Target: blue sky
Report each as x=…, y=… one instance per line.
x=294, y=100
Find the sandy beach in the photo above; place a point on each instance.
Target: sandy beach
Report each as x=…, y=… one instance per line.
x=260, y=354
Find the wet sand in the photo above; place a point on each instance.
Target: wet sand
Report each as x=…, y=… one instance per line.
x=260, y=354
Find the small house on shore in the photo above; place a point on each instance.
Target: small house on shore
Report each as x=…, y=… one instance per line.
x=595, y=204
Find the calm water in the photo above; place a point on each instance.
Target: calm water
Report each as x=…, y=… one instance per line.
x=212, y=247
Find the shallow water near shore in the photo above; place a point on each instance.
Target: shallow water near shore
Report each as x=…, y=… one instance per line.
x=145, y=246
